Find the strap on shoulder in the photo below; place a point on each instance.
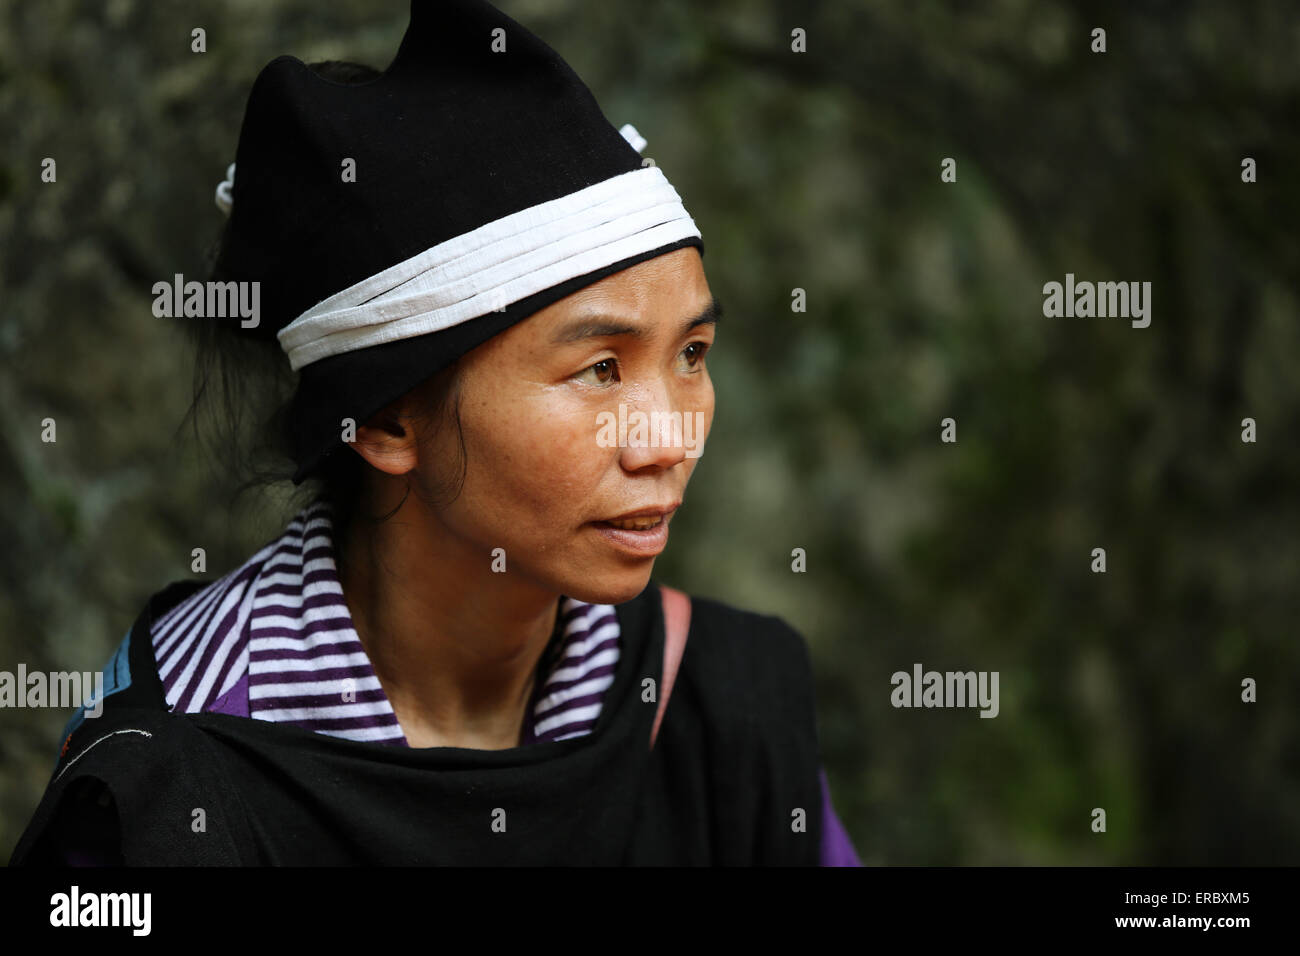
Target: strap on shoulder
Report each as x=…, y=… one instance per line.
x=677, y=624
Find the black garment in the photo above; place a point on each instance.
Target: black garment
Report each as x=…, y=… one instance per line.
x=736, y=760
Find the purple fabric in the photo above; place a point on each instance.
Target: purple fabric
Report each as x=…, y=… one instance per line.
x=836, y=849
x=234, y=701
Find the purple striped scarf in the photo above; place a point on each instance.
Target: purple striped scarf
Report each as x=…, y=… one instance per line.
x=273, y=640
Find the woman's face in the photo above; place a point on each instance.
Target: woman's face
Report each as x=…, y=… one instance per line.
x=591, y=410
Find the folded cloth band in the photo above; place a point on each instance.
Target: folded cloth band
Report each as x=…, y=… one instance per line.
x=495, y=265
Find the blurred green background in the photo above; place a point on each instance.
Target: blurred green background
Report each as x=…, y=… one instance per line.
x=818, y=171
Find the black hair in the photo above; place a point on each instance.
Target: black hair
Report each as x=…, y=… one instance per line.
x=246, y=385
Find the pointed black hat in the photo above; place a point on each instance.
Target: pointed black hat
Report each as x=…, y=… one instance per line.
x=393, y=225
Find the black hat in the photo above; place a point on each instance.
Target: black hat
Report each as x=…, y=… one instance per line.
x=396, y=224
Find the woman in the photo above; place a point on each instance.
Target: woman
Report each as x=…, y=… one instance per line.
x=498, y=319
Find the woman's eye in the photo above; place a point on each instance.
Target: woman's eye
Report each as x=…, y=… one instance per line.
x=602, y=373
x=693, y=355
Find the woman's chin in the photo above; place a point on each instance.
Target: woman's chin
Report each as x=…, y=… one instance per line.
x=612, y=587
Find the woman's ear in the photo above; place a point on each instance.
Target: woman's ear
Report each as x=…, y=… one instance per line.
x=388, y=441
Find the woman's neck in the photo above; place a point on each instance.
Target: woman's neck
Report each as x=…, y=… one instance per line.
x=455, y=646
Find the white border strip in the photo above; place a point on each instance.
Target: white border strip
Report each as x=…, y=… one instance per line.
x=496, y=264
x=96, y=744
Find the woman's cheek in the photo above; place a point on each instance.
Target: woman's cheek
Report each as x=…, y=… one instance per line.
x=551, y=459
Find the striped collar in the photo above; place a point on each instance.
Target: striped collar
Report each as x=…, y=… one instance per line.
x=274, y=640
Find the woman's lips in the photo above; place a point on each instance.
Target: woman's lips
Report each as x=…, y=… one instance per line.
x=643, y=537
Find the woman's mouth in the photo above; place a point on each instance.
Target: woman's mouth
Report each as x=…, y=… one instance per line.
x=636, y=524
x=643, y=535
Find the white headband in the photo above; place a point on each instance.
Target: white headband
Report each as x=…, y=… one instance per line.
x=495, y=265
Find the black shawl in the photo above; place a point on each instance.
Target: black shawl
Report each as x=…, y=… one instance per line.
x=732, y=779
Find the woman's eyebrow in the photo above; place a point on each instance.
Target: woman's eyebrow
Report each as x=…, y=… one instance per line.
x=596, y=327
